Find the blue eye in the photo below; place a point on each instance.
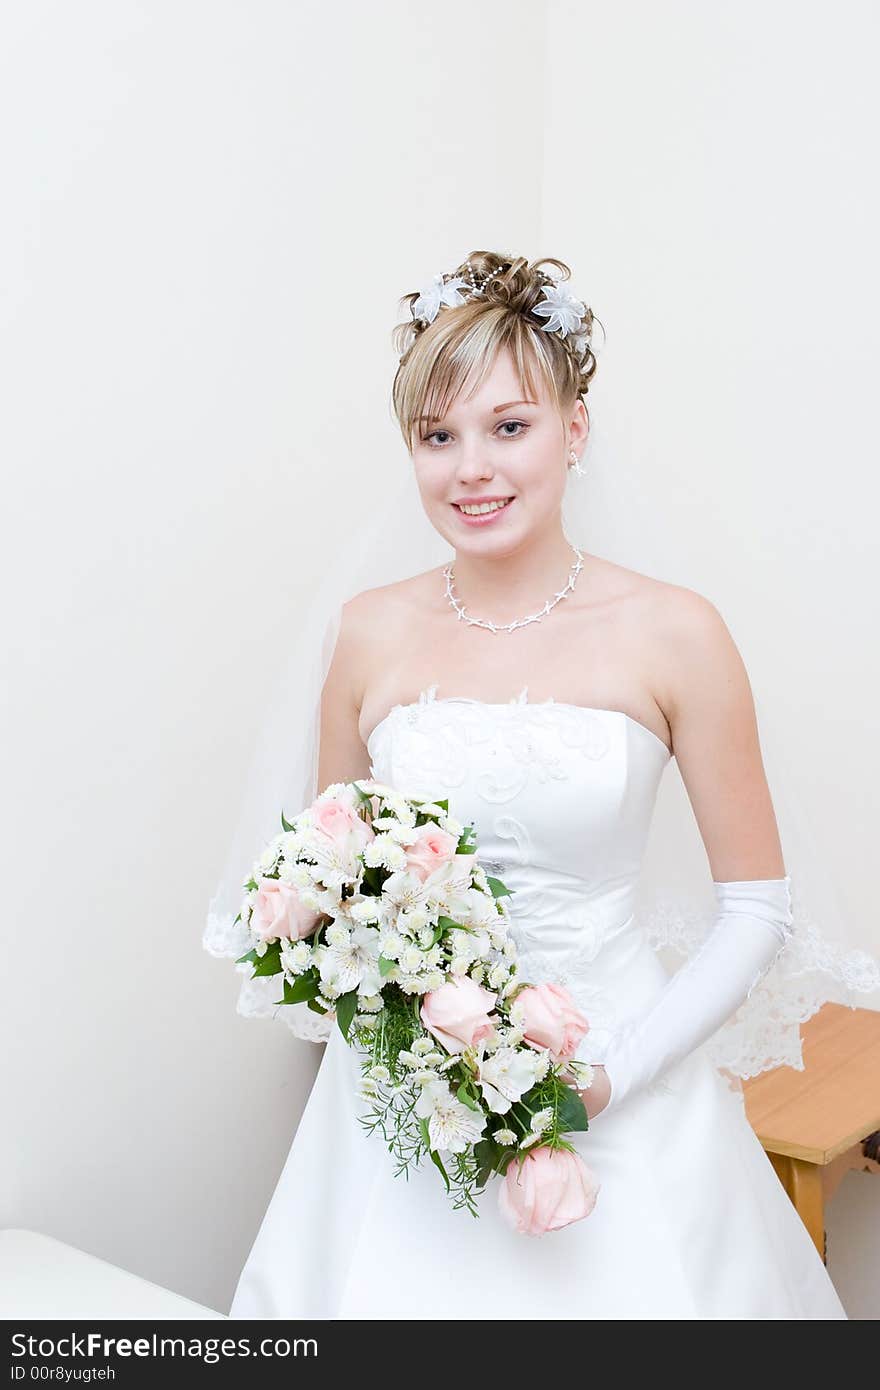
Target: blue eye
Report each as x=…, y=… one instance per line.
x=521, y=424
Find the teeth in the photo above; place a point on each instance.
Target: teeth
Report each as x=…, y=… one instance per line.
x=471, y=510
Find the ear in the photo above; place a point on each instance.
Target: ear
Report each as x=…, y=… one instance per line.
x=579, y=425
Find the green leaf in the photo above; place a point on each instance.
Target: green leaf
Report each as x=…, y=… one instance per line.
x=305, y=987
x=346, y=1008
x=251, y=955
x=386, y=965
x=438, y=1163
x=252, y=884
x=285, y=822
x=270, y=963
x=572, y=1111
x=491, y=1158
x=464, y=1095
x=448, y=923
x=499, y=889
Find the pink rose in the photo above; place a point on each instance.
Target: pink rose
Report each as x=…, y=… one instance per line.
x=457, y=1013
x=551, y=1019
x=341, y=823
x=279, y=911
x=552, y=1188
x=431, y=850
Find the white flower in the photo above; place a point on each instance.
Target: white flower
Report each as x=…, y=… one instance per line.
x=433, y=980
x=542, y=1120
x=506, y=1075
x=400, y=807
x=424, y=1075
x=404, y=891
x=529, y=1140
x=435, y=295
x=562, y=311
x=451, y=825
x=371, y=1003
x=380, y=1072
x=517, y=1012
x=423, y=1045
x=543, y=1063
x=451, y=1124
x=582, y=1072
x=363, y=910
x=390, y=944
x=269, y=858
x=497, y=976
x=352, y=962
x=337, y=934
x=409, y=1059
x=411, y=959
x=417, y=921
x=295, y=956
x=504, y=1136
x=410, y=984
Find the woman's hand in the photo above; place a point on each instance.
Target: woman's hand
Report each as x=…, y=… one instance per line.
x=597, y=1096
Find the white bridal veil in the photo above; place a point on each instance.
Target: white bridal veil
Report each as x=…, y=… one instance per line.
x=676, y=903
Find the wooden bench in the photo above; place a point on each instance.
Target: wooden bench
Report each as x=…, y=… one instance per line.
x=818, y=1124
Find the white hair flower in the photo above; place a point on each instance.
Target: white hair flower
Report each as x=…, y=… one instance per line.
x=435, y=294
x=560, y=308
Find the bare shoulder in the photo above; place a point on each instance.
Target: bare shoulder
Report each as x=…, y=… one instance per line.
x=378, y=609
x=380, y=620
x=696, y=658
x=678, y=631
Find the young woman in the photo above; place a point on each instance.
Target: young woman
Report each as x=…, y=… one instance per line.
x=544, y=691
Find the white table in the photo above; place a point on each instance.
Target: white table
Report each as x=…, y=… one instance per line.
x=43, y=1278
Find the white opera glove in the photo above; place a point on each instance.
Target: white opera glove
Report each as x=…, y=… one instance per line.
x=751, y=929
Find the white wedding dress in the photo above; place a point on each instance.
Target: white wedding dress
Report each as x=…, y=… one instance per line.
x=690, y=1221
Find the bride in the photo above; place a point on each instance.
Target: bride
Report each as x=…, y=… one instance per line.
x=544, y=691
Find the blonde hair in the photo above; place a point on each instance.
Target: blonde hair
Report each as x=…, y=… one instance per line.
x=436, y=359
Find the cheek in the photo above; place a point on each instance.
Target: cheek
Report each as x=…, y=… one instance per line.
x=431, y=485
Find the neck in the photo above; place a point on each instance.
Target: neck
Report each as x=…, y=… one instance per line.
x=505, y=587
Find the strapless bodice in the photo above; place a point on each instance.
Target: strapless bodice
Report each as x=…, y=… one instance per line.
x=561, y=798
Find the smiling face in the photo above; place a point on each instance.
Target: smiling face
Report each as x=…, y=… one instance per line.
x=492, y=446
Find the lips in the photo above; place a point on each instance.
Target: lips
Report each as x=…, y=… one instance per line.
x=505, y=501
x=483, y=518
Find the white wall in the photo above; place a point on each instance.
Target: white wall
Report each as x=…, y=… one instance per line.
x=209, y=214
x=709, y=170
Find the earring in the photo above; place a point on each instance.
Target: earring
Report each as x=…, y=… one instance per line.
x=576, y=464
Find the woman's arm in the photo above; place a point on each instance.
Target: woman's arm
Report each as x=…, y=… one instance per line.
x=342, y=756
x=708, y=703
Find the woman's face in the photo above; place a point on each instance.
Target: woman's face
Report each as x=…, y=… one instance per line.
x=491, y=447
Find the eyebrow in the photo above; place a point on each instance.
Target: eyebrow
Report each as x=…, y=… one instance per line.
x=495, y=410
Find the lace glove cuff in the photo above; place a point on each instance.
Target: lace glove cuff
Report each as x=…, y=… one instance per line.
x=752, y=927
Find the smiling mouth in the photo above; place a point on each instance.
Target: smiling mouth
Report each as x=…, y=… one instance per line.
x=483, y=509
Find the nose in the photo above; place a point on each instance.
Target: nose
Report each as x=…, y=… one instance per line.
x=472, y=463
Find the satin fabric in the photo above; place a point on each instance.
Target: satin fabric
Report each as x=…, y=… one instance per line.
x=690, y=1221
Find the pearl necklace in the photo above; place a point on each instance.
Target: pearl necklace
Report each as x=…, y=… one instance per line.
x=518, y=622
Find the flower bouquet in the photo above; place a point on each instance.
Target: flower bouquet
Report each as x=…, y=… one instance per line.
x=373, y=906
